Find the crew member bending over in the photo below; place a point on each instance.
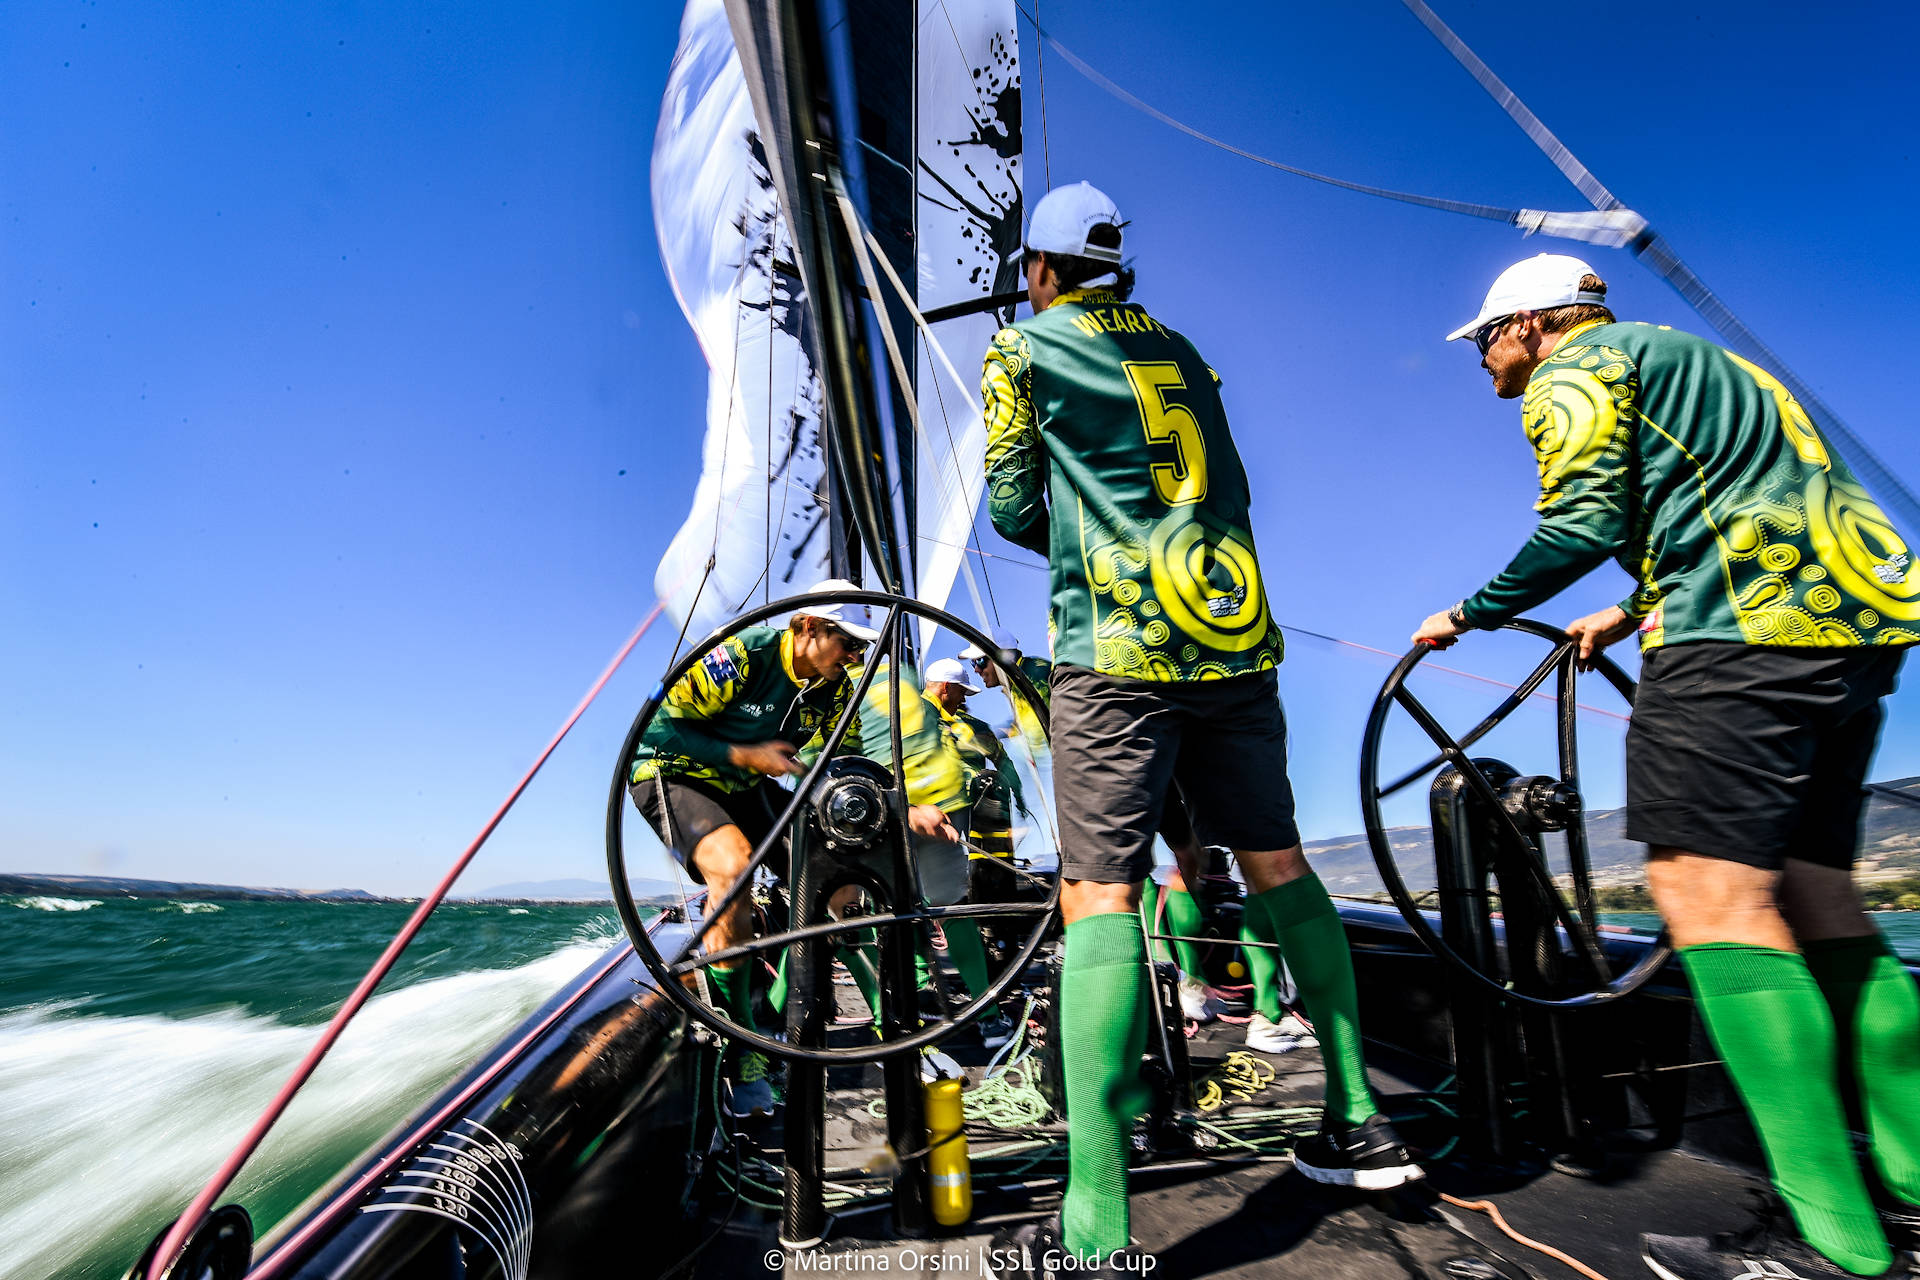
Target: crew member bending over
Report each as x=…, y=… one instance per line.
x=1164, y=651
x=759, y=706
x=1774, y=603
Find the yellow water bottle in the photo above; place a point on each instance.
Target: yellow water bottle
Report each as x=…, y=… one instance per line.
x=947, y=1167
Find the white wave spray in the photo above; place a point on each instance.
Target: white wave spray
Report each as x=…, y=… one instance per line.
x=110, y=1124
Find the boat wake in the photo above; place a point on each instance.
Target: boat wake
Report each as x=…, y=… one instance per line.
x=110, y=1124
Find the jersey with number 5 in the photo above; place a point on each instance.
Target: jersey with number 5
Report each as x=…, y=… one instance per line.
x=1109, y=453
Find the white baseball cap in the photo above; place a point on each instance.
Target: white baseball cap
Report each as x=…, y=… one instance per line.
x=1543, y=281
x=950, y=671
x=854, y=619
x=1063, y=217
x=1002, y=639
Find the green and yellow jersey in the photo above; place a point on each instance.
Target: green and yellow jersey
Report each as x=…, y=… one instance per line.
x=1040, y=672
x=1706, y=480
x=1108, y=452
x=933, y=770
x=743, y=691
x=992, y=785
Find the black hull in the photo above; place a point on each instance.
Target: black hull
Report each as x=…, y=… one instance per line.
x=574, y=1148
x=563, y=1153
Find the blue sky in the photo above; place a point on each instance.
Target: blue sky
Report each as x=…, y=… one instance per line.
x=344, y=408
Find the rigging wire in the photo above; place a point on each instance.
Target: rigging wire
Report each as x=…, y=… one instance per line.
x=973, y=528
x=861, y=239
x=1650, y=247
x=1492, y=213
x=189, y=1221
x=1040, y=75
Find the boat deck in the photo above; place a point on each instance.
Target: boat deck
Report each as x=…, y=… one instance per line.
x=1228, y=1212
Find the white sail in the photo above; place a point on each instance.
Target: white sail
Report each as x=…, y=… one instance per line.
x=758, y=515
x=968, y=220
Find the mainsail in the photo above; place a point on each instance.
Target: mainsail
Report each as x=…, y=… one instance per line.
x=765, y=519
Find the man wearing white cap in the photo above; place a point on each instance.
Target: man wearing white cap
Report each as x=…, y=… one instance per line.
x=758, y=706
x=992, y=788
x=1774, y=601
x=1108, y=451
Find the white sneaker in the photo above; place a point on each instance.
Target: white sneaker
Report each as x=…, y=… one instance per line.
x=1292, y=1026
x=1267, y=1036
x=1197, y=1002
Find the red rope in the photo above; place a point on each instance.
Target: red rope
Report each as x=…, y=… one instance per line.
x=185, y=1225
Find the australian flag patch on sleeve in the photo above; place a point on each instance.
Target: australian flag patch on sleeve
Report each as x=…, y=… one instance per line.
x=720, y=666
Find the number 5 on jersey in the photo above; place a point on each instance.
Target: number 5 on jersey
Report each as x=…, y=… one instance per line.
x=1184, y=480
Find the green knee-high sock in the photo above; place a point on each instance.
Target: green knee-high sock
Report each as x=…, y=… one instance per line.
x=1315, y=948
x=1149, y=912
x=857, y=964
x=864, y=964
x=1263, y=971
x=735, y=987
x=969, y=956
x=1183, y=919
x=777, y=992
x=1766, y=1016
x=1876, y=1013
x=1103, y=1031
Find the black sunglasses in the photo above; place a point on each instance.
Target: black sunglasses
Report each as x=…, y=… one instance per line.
x=1483, y=336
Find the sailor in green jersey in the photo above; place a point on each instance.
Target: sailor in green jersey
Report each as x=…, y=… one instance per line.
x=757, y=707
x=1108, y=451
x=1774, y=601
x=1174, y=911
x=1036, y=669
x=993, y=790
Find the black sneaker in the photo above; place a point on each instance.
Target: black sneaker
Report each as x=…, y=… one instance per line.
x=1770, y=1249
x=1034, y=1252
x=1369, y=1156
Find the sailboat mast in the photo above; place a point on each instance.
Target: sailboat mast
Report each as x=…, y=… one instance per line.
x=783, y=56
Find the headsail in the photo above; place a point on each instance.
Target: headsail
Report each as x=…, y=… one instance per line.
x=968, y=214
x=759, y=511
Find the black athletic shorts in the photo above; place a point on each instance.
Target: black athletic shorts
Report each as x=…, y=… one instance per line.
x=1755, y=754
x=696, y=809
x=1119, y=744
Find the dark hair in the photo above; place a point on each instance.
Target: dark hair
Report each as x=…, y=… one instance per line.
x=1561, y=319
x=1074, y=271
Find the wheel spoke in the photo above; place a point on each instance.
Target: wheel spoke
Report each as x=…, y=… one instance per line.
x=1524, y=690
x=1586, y=946
x=777, y=941
x=908, y=909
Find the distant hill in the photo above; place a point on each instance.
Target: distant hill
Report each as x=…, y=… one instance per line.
x=122, y=887
x=1890, y=848
x=574, y=890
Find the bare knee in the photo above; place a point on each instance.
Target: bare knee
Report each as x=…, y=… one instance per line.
x=1270, y=868
x=1080, y=899
x=721, y=857
x=1705, y=899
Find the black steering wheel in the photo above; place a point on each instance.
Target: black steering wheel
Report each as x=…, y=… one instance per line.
x=864, y=789
x=1562, y=796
